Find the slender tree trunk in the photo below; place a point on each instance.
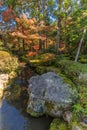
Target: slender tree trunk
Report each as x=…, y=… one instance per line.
x=23, y=42
x=80, y=44
x=58, y=37
x=19, y=45
x=59, y=28
x=40, y=10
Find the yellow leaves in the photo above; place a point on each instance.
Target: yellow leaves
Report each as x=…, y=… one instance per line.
x=33, y=28
x=23, y=20
x=18, y=34
x=62, y=47
x=34, y=37
x=27, y=36
x=85, y=14
x=17, y=19
x=35, y=61
x=28, y=41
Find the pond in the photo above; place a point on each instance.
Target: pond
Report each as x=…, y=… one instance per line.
x=12, y=119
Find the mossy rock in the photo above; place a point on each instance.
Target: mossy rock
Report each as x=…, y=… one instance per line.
x=76, y=74
x=80, y=107
x=40, y=69
x=49, y=105
x=62, y=57
x=75, y=125
x=35, y=62
x=72, y=69
x=8, y=63
x=33, y=113
x=58, y=124
x=84, y=61
x=43, y=59
x=15, y=92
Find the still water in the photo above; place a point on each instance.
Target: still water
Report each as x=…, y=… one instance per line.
x=12, y=119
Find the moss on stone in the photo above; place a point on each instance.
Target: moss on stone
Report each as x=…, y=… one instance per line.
x=83, y=61
x=80, y=107
x=8, y=63
x=58, y=124
x=49, y=105
x=71, y=69
x=33, y=113
x=76, y=125
x=40, y=69
x=43, y=59
x=72, y=74
x=15, y=91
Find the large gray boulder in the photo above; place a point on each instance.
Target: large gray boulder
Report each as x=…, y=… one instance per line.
x=49, y=94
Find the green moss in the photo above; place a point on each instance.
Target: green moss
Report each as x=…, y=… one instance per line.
x=8, y=63
x=68, y=81
x=71, y=69
x=43, y=59
x=49, y=105
x=80, y=107
x=40, y=69
x=15, y=91
x=75, y=124
x=4, y=54
x=58, y=124
x=83, y=61
x=33, y=113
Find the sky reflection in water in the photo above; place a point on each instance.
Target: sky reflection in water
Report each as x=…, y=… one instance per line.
x=12, y=119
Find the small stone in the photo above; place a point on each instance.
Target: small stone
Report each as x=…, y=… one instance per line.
x=76, y=128
x=67, y=116
x=83, y=124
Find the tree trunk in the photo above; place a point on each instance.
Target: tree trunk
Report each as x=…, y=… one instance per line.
x=59, y=27
x=80, y=44
x=58, y=37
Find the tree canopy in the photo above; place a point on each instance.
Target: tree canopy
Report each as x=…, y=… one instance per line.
x=45, y=22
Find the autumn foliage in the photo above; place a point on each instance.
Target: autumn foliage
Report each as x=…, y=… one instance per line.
x=8, y=14
x=29, y=34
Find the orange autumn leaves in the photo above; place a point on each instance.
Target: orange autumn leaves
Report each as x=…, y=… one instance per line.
x=27, y=29
x=31, y=53
x=8, y=14
x=30, y=32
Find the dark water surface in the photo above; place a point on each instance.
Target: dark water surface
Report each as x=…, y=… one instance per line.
x=12, y=119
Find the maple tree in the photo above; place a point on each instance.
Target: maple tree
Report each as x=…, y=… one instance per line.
x=29, y=33
x=8, y=14
x=27, y=37
x=26, y=33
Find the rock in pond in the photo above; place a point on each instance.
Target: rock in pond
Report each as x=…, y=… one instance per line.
x=3, y=81
x=1, y=93
x=49, y=94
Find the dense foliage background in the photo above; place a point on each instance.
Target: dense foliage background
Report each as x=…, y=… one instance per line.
x=30, y=27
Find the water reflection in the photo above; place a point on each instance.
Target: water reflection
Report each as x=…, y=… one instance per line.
x=12, y=119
